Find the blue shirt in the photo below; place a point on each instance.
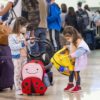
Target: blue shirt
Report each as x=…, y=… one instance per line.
x=54, y=19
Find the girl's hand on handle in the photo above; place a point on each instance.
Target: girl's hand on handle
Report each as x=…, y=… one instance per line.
x=65, y=46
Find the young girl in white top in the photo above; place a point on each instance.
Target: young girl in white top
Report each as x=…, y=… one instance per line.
x=18, y=49
x=79, y=50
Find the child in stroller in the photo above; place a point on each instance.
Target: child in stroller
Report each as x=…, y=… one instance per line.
x=34, y=53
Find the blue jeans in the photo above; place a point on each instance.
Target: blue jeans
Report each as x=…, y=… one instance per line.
x=41, y=33
x=34, y=49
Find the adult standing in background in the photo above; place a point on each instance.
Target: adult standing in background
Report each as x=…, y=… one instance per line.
x=26, y=8
x=54, y=24
x=79, y=13
x=91, y=15
x=30, y=10
x=82, y=19
x=42, y=28
x=97, y=18
x=63, y=15
x=87, y=9
x=71, y=19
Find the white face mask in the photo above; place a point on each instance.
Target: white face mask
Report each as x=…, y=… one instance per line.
x=23, y=30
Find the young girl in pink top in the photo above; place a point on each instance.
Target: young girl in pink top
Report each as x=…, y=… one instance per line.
x=79, y=51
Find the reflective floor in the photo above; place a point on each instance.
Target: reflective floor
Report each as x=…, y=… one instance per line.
x=90, y=85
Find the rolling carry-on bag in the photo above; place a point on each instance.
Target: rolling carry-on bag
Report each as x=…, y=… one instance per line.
x=6, y=68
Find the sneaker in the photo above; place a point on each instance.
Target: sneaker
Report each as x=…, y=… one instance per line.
x=52, y=83
x=77, y=88
x=69, y=86
x=19, y=92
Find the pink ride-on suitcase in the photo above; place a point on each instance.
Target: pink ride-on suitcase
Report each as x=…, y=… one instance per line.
x=32, y=74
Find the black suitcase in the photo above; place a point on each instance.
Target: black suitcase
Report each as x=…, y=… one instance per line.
x=89, y=37
x=6, y=68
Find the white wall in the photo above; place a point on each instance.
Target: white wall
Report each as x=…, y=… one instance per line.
x=91, y=3
x=3, y=1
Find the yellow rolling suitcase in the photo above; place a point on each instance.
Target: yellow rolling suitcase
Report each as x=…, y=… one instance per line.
x=62, y=62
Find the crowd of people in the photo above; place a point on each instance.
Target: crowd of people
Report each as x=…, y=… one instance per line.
x=42, y=16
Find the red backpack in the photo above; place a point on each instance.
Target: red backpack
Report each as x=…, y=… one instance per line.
x=32, y=74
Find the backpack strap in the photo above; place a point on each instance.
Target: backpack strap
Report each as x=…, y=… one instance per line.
x=14, y=13
x=15, y=3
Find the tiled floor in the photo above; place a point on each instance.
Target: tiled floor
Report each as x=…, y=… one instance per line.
x=90, y=85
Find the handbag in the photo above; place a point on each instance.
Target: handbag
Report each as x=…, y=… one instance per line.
x=4, y=32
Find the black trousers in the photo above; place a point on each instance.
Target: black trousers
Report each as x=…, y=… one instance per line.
x=76, y=75
x=55, y=39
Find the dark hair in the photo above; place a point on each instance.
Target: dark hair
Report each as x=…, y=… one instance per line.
x=71, y=11
x=71, y=31
x=63, y=7
x=79, y=4
x=98, y=11
x=20, y=21
x=87, y=7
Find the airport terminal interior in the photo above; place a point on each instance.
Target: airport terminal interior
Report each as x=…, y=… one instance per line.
x=90, y=81
x=90, y=77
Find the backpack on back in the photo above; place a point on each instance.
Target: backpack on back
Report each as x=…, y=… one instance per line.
x=82, y=20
